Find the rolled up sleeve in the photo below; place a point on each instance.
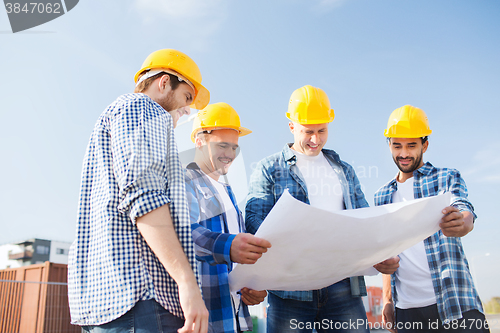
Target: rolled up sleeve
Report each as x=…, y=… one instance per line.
x=139, y=135
x=458, y=190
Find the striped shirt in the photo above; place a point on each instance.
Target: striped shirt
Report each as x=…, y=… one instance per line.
x=213, y=250
x=131, y=168
x=451, y=278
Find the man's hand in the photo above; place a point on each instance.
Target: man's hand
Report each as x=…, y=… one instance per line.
x=195, y=312
x=247, y=249
x=455, y=223
x=388, y=266
x=388, y=318
x=252, y=297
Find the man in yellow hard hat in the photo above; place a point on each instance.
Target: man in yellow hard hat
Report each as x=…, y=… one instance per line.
x=433, y=284
x=316, y=176
x=132, y=266
x=217, y=223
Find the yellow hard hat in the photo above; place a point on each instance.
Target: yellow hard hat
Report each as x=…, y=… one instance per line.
x=217, y=116
x=181, y=64
x=310, y=105
x=407, y=122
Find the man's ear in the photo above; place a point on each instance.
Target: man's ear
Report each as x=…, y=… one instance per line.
x=291, y=126
x=198, y=142
x=425, y=145
x=164, y=82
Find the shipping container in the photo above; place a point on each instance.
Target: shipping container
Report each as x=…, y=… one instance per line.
x=34, y=299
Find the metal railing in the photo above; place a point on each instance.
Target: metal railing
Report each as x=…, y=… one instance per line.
x=34, y=307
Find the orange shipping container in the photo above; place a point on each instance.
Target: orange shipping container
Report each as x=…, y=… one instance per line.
x=34, y=299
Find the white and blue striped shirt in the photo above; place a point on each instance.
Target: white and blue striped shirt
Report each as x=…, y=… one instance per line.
x=131, y=167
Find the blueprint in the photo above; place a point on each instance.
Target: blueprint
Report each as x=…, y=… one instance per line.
x=313, y=248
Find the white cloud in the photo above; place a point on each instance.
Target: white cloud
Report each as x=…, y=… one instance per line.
x=199, y=18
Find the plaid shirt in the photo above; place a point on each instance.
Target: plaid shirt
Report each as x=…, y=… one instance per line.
x=131, y=167
x=212, y=245
x=278, y=172
x=451, y=278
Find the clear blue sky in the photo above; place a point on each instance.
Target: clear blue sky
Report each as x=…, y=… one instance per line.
x=371, y=57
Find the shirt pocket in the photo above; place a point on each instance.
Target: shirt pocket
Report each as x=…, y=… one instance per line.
x=205, y=192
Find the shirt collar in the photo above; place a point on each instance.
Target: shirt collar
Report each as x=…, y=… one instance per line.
x=193, y=166
x=196, y=167
x=289, y=153
x=423, y=170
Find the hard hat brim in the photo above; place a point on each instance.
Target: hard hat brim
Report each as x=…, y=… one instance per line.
x=242, y=131
x=202, y=97
x=309, y=121
x=388, y=134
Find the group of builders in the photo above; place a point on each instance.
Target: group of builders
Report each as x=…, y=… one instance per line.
x=156, y=241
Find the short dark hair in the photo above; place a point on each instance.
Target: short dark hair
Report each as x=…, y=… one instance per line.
x=424, y=139
x=144, y=85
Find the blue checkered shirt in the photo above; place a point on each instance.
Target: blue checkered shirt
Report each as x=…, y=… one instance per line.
x=212, y=245
x=278, y=172
x=131, y=167
x=451, y=278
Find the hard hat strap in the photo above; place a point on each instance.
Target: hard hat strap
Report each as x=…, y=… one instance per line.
x=208, y=130
x=153, y=72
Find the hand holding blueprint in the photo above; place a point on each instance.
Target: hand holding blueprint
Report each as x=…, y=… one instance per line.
x=313, y=248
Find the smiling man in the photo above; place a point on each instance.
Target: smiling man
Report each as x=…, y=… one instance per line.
x=217, y=224
x=131, y=265
x=318, y=177
x=433, y=284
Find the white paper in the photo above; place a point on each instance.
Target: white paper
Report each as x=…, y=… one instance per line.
x=313, y=248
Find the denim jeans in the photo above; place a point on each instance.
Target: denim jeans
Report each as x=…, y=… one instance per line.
x=426, y=319
x=333, y=309
x=145, y=317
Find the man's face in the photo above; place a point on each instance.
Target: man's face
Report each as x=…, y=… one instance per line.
x=309, y=139
x=408, y=153
x=219, y=150
x=177, y=101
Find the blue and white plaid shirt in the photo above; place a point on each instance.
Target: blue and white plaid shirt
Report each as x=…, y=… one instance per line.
x=278, y=172
x=451, y=278
x=131, y=168
x=212, y=245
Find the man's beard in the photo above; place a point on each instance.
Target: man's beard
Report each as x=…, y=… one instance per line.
x=168, y=102
x=412, y=166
